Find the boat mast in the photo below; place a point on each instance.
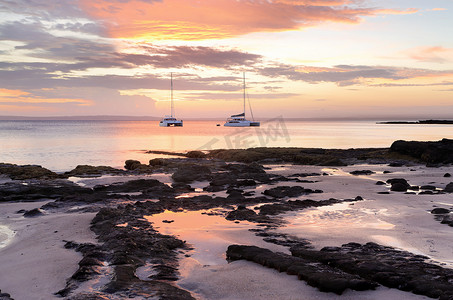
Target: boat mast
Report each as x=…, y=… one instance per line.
x=244, y=96
x=172, y=108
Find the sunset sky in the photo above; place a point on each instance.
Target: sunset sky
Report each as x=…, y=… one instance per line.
x=302, y=58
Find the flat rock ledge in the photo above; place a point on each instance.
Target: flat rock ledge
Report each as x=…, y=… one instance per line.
x=126, y=242
x=356, y=267
x=323, y=277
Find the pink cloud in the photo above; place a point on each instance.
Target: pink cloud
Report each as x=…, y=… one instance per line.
x=436, y=54
x=197, y=19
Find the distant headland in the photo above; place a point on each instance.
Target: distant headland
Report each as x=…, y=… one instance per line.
x=419, y=122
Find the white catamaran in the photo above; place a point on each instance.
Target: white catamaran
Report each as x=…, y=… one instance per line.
x=239, y=120
x=168, y=121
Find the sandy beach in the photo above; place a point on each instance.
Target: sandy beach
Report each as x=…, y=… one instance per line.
x=36, y=264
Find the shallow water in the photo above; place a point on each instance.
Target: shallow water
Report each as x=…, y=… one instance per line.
x=62, y=145
x=207, y=231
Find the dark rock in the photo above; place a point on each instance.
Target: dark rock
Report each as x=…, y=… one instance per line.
x=90, y=261
x=449, y=188
x=325, y=278
x=447, y=175
x=386, y=172
x=429, y=152
x=165, y=272
x=139, y=185
x=86, y=296
x=241, y=213
x=85, y=273
x=5, y=296
x=396, y=164
x=221, y=179
x=126, y=248
x=192, y=172
x=85, y=170
x=428, y=187
x=399, y=187
x=33, y=213
x=447, y=219
x=235, y=194
x=182, y=187
x=387, y=266
x=439, y=210
x=234, y=191
x=380, y=183
x=17, y=172
x=398, y=180
x=306, y=174
x=362, y=172
x=288, y=191
x=196, y=154
x=159, y=162
x=398, y=184
x=246, y=182
x=251, y=168
x=132, y=164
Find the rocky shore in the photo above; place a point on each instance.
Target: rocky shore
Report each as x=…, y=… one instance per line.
x=246, y=187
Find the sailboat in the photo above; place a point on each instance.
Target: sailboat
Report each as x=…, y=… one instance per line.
x=239, y=120
x=171, y=120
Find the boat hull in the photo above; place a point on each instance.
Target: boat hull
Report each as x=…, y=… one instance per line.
x=242, y=123
x=170, y=123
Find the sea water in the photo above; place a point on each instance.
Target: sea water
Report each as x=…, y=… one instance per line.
x=62, y=145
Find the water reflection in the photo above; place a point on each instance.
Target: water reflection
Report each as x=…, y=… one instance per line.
x=208, y=232
x=62, y=145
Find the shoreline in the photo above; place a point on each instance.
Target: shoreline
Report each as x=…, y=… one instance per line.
x=105, y=231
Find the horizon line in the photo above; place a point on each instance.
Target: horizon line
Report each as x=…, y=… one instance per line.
x=152, y=118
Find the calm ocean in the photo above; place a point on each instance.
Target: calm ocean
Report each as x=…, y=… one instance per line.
x=62, y=145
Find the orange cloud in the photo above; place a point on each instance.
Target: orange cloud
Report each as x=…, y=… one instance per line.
x=18, y=96
x=12, y=93
x=18, y=108
x=198, y=19
x=397, y=12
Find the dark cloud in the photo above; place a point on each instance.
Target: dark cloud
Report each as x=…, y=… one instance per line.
x=412, y=84
x=35, y=36
x=43, y=9
x=29, y=77
x=94, y=53
x=183, y=56
x=70, y=54
x=170, y=57
x=346, y=75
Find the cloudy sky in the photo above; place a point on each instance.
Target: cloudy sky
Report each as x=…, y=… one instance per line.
x=301, y=58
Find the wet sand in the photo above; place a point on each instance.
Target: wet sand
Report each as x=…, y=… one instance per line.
x=34, y=262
